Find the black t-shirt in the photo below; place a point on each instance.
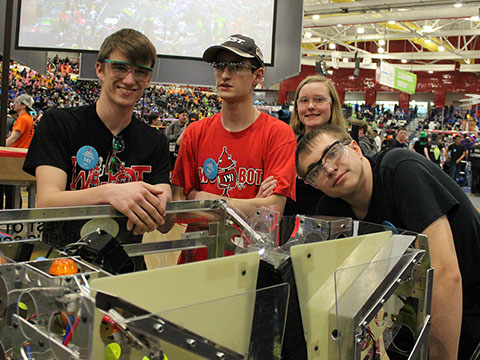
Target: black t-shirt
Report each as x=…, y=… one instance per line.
x=455, y=151
x=60, y=135
x=397, y=144
x=411, y=192
x=420, y=145
x=475, y=156
x=435, y=151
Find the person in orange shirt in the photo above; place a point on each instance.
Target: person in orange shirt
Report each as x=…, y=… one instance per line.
x=22, y=131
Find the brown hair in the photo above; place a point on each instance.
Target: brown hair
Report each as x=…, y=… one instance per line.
x=336, y=117
x=362, y=124
x=136, y=47
x=308, y=142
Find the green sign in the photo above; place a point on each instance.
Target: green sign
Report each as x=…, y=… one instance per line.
x=398, y=79
x=405, y=81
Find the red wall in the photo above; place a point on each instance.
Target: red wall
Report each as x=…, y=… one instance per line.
x=438, y=83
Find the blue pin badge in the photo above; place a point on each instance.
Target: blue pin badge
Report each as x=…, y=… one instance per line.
x=210, y=169
x=87, y=157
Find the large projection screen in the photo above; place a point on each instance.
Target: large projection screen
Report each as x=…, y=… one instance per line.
x=177, y=28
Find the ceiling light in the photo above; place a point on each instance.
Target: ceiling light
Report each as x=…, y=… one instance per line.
x=360, y=30
x=345, y=60
x=381, y=50
x=308, y=34
x=427, y=40
x=404, y=61
x=430, y=71
x=457, y=4
x=316, y=17
x=330, y=72
x=381, y=42
x=475, y=18
x=331, y=46
x=441, y=48
x=391, y=22
x=339, y=25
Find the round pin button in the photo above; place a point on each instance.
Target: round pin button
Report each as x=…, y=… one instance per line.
x=210, y=169
x=87, y=157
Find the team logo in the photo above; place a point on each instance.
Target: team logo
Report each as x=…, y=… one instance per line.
x=227, y=174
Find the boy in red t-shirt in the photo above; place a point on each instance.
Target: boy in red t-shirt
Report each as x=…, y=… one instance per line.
x=240, y=154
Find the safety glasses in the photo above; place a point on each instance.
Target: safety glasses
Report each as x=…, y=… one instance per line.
x=121, y=69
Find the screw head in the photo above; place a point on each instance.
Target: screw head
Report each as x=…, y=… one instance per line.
x=191, y=343
x=158, y=327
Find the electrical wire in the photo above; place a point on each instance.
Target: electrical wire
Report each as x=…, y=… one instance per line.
x=69, y=335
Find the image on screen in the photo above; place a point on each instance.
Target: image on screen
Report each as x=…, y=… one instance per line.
x=177, y=28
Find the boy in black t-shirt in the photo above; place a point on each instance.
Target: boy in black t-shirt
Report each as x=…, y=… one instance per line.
x=413, y=194
x=421, y=144
x=75, y=150
x=456, y=153
x=475, y=160
x=436, y=150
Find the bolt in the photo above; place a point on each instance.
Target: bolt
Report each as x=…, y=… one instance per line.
x=158, y=327
x=220, y=355
x=244, y=272
x=309, y=256
x=191, y=343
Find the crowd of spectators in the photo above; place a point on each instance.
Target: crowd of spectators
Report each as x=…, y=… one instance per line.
x=62, y=88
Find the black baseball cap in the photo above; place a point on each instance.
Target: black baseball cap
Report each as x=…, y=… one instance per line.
x=238, y=44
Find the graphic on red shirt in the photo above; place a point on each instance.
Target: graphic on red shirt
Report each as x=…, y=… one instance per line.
x=230, y=176
x=227, y=174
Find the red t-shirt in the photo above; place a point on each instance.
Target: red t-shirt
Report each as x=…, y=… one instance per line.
x=25, y=126
x=243, y=159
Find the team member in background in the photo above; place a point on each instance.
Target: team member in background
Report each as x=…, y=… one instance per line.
x=475, y=159
x=22, y=131
x=19, y=136
x=456, y=153
x=401, y=139
x=316, y=103
x=75, y=150
x=436, y=150
x=233, y=153
x=411, y=193
x=421, y=145
x=174, y=132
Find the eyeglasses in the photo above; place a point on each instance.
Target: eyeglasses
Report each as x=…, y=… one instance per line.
x=234, y=67
x=121, y=69
x=114, y=164
x=328, y=160
x=317, y=100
